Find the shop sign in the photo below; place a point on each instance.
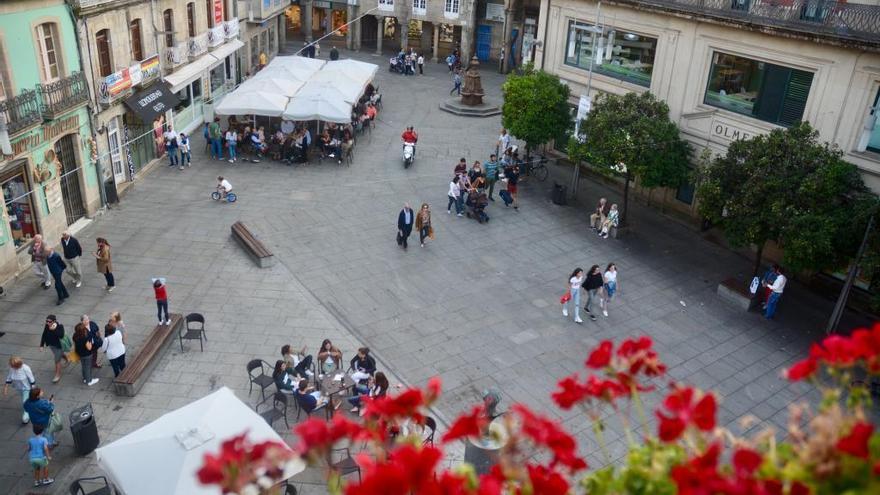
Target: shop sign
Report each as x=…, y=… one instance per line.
x=231, y=28
x=149, y=69
x=729, y=132
x=114, y=85
x=495, y=12
x=52, y=190
x=47, y=134
x=218, y=12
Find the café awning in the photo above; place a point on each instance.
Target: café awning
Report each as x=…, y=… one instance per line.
x=152, y=102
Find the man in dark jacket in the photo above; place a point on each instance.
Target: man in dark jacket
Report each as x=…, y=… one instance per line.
x=94, y=336
x=56, y=267
x=334, y=54
x=72, y=255
x=405, y=224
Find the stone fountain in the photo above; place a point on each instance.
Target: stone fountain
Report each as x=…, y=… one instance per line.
x=473, y=101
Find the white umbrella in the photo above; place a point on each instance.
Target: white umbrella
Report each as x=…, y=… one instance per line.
x=315, y=102
x=349, y=86
x=362, y=70
x=165, y=455
x=245, y=102
x=299, y=68
x=269, y=83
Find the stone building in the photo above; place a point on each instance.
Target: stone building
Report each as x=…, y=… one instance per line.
x=262, y=30
x=48, y=173
x=728, y=69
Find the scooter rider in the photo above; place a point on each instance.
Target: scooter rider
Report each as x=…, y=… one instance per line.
x=409, y=136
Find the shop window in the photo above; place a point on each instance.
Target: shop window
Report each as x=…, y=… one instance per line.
x=762, y=90
x=102, y=43
x=874, y=126
x=19, y=207
x=137, y=40
x=452, y=6
x=216, y=79
x=611, y=51
x=255, y=51
x=47, y=41
x=191, y=19
x=168, y=26
x=271, y=39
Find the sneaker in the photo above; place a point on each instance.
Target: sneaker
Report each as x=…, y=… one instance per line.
x=592, y=317
x=448, y=212
x=578, y=320
x=47, y=481
x=161, y=322
x=423, y=244
x=168, y=321
x=94, y=381
x=458, y=214
x=78, y=284
x=180, y=167
x=110, y=289
x=56, y=379
x=605, y=313
x=310, y=373
x=38, y=483
x=231, y=160
x=564, y=311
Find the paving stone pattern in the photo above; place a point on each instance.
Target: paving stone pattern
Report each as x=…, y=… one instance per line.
x=478, y=306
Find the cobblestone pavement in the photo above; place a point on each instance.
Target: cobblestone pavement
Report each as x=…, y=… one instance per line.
x=478, y=306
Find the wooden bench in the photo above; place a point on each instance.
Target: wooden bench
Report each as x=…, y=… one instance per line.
x=736, y=292
x=138, y=370
x=252, y=245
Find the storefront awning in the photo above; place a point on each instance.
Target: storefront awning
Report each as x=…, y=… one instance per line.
x=223, y=51
x=193, y=70
x=153, y=101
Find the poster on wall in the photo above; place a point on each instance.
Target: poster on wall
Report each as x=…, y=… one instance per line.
x=54, y=199
x=218, y=12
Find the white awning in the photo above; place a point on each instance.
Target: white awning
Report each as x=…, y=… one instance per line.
x=195, y=69
x=226, y=50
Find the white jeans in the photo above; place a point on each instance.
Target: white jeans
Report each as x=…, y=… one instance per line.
x=42, y=273
x=74, y=268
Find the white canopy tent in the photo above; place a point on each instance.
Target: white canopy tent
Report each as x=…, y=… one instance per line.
x=273, y=84
x=346, y=85
x=318, y=102
x=360, y=70
x=257, y=102
x=165, y=455
x=300, y=68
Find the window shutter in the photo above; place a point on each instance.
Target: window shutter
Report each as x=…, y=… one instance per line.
x=795, y=97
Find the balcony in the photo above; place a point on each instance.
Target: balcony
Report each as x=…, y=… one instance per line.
x=851, y=22
x=216, y=36
x=231, y=28
x=198, y=46
x=21, y=112
x=176, y=55
x=262, y=10
x=63, y=95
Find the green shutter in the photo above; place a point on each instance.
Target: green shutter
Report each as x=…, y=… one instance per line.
x=795, y=97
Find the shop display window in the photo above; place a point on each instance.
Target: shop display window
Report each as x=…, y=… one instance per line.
x=611, y=51
x=19, y=208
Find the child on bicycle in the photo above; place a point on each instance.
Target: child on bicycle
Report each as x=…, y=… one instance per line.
x=223, y=186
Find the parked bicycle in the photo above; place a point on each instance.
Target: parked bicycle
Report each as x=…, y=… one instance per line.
x=536, y=167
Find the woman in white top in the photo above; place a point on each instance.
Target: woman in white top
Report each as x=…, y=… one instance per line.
x=454, y=193
x=378, y=387
x=574, y=286
x=610, y=278
x=231, y=143
x=114, y=346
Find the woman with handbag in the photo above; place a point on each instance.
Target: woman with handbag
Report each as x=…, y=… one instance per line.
x=575, y=280
x=423, y=223
x=53, y=337
x=105, y=263
x=82, y=343
x=42, y=413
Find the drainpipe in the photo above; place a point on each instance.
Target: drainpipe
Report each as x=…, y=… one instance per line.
x=544, y=41
x=90, y=108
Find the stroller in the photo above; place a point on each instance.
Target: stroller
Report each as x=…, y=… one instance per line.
x=476, y=204
x=396, y=65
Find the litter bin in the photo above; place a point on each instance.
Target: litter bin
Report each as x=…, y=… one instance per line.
x=84, y=430
x=558, y=194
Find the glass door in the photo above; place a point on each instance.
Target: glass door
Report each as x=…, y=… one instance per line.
x=115, y=152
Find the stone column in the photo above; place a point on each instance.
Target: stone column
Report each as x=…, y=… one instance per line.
x=356, y=27
x=380, y=23
x=467, y=35
x=403, y=24
x=505, y=41
x=328, y=17
x=306, y=9
x=436, y=42
x=349, y=35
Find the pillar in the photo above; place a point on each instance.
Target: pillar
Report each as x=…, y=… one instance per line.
x=504, y=64
x=328, y=17
x=357, y=36
x=380, y=22
x=436, y=43
x=306, y=8
x=349, y=35
x=467, y=36
x=403, y=24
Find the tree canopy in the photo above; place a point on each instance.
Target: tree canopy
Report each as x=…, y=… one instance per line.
x=535, y=106
x=788, y=187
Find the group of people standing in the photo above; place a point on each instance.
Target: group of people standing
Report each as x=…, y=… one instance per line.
x=177, y=148
x=597, y=284
x=49, y=265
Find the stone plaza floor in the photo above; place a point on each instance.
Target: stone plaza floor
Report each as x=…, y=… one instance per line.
x=478, y=307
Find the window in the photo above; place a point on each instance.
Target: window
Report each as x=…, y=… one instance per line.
x=102, y=41
x=452, y=6
x=612, y=52
x=191, y=19
x=137, y=44
x=168, y=27
x=762, y=90
x=386, y=4
x=19, y=207
x=47, y=41
x=874, y=130
x=420, y=5
x=271, y=40
x=255, y=51
x=209, y=12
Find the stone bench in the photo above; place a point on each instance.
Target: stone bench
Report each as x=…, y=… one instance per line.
x=138, y=370
x=736, y=292
x=254, y=247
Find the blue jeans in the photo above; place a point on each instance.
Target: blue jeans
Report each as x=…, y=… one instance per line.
x=591, y=293
x=231, y=150
x=771, y=304
x=118, y=364
x=172, y=156
x=453, y=201
x=576, y=302
x=185, y=157
x=216, y=148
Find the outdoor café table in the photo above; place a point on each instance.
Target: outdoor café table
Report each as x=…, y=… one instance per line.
x=335, y=383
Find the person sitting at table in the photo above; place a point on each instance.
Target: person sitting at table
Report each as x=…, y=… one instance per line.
x=363, y=362
x=377, y=387
x=275, y=147
x=283, y=379
x=371, y=111
x=329, y=357
x=308, y=398
x=298, y=362
x=335, y=149
x=347, y=140
x=324, y=143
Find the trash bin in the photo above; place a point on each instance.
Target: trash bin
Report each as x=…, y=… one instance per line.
x=110, y=191
x=84, y=430
x=558, y=194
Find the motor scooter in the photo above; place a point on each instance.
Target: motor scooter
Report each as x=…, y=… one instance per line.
x=409, y=154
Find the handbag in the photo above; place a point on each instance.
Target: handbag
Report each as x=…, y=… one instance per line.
x=431, y=233
x=565, y=298
x=55, y=424
x=399, y=238
x=66, y=343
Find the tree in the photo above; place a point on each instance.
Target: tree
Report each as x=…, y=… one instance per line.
x=535, y=106
x=788, y=187
x=632, y=136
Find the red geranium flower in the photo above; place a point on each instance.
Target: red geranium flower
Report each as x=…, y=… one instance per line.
x=686, y=411
x=856, y=443
x=467, y=425
x=601, y=356
x=699, y=476
x=316, y=436
x=547, y=433
x=746, y=461
x=570, y=392
x=605, y=389
x=408, y=469
x=802, y=369
x=545, y=481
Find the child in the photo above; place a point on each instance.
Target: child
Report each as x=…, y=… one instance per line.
x=159, y=288
x=38, y=447
x=185, y=156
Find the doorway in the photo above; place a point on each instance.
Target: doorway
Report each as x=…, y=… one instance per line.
x=115, y=151
x=484, y=41
x=71, y=192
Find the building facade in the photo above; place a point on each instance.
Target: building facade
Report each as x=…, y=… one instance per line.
x=728, y=70
x=48, y=171
x=151, y=64
x=262, y=30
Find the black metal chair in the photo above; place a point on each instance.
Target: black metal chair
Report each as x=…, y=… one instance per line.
x=263, y=380
x=346, y=465
x=194, y=329
x=289, y=489
x=300, y=407
x=278, y=410
x=99, y=486
x=431, y=426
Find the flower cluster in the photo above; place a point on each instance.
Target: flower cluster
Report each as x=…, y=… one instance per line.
x=684, y=408
x=838, y=352
x=245, y=467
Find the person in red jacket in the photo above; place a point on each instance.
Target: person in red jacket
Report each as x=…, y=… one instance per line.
x=409, y=136
x=161, y=291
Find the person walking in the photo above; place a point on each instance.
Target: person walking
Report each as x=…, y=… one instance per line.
x=231, y=143
x=334, y=53
x=40, y=410
x=114, y=347
x=597, y=218
x=185, y=151
x=73, y=257
x=171, y=146
x=592, y=284
x=105, y=263
x=456, y=81
x=775, y=289
x=214, y=134
x=39, y=456
x=423, y=223
x=421, y=62
x=503, y=143
x=575, y=280
x=512, y=176
x=454, y=196
x=53, y=338
x=609, y=286
x=450, y=61
x=405, y=220
x=56, y=267
x=83, y=345
x=22, y=380
x=38, y=258
x=161, y=291
x=492, y=172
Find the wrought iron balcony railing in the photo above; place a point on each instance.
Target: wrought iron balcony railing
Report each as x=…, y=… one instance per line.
x=848, y=21
x=62, y=95
x=21, y=111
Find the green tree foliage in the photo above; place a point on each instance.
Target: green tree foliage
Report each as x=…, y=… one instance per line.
x=535, y=106
x=631, y=135
x=788, y=187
